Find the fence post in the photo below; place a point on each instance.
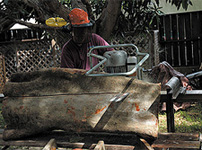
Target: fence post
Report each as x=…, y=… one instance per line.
x=154, y=48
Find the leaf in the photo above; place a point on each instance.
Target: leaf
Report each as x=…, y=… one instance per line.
x=185, y=4
x=157, y=2
x=145, y=3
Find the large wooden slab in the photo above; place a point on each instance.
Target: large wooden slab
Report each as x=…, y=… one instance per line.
x=67, y=99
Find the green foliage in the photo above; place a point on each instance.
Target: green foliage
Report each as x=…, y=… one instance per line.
x=17, y=10
x=137, y=15
x=97, y=6
x=179, y=3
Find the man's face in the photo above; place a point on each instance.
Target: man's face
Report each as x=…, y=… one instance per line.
x=81, y=35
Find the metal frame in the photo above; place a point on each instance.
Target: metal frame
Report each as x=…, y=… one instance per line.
x=103, y=60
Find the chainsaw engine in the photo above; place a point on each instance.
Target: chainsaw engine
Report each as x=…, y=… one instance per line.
x=118, y=62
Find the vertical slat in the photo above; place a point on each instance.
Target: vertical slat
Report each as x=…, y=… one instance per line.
x=162, y=38
x=185, y=38
x=178, y=43
x=181, y=38
x=171, y=40
x=188, y=31
x=14, y=34
x=195, y=31
x=192, y=38
x=168, y=38
x=200, y=36
x=175, y=38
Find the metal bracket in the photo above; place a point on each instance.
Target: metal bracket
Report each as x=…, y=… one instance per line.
x=175, y=88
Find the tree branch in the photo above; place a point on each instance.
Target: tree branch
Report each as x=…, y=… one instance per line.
x=108, y=18
x=31, y=25
x=56, y=7
x=78, y=4
x=89, y=8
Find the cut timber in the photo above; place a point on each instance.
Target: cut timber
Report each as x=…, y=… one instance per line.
x=100, y=146
x=185, y=141
x=145, y=145
x=67, y=99
x=82, y=140
x=51, y=145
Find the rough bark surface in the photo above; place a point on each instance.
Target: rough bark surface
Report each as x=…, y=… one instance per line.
x=67, y=99
x=108, y=18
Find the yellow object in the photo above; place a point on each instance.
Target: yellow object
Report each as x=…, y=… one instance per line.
x=56, y=22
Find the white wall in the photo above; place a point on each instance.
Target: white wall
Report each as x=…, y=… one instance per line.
x=169, y=9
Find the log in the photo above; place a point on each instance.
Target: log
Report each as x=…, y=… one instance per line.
x=66, y=99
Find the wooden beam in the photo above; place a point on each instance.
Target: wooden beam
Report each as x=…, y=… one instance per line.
x=51, y=145
x=124, y=142
x=176, y=144
x=100, y=146
x=146, y=145
x=177, y=140
x=179, y=136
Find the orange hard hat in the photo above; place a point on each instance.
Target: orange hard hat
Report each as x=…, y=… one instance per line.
x=79, y=18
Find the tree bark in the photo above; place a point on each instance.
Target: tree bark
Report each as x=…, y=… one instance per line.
x=108, y=18
x=56, y=7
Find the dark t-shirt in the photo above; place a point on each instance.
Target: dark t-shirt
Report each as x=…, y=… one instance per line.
x=74, y=56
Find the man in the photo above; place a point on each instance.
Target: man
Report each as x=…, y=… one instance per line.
x=74, y=52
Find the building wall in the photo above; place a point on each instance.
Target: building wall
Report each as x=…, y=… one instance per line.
x=170, y=9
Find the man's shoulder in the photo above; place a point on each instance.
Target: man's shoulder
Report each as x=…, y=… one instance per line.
x=97, y=37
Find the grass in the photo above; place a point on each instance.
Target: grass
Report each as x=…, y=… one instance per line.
x=186, y=121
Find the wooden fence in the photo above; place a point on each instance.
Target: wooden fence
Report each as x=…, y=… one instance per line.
x=21, y=34
x=2, y=72
x=181, y=39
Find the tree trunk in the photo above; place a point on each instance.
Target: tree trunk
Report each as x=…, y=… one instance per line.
x=108, y=18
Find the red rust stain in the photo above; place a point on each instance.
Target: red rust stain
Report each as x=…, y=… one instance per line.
x=145, y=109
x=72, y=108
x=137, y=107
x=21, y=107
x=84, y=120
x=71, y=112
x=65, y=101
x=99, y=110
x=156, y=122
x=111, y=105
